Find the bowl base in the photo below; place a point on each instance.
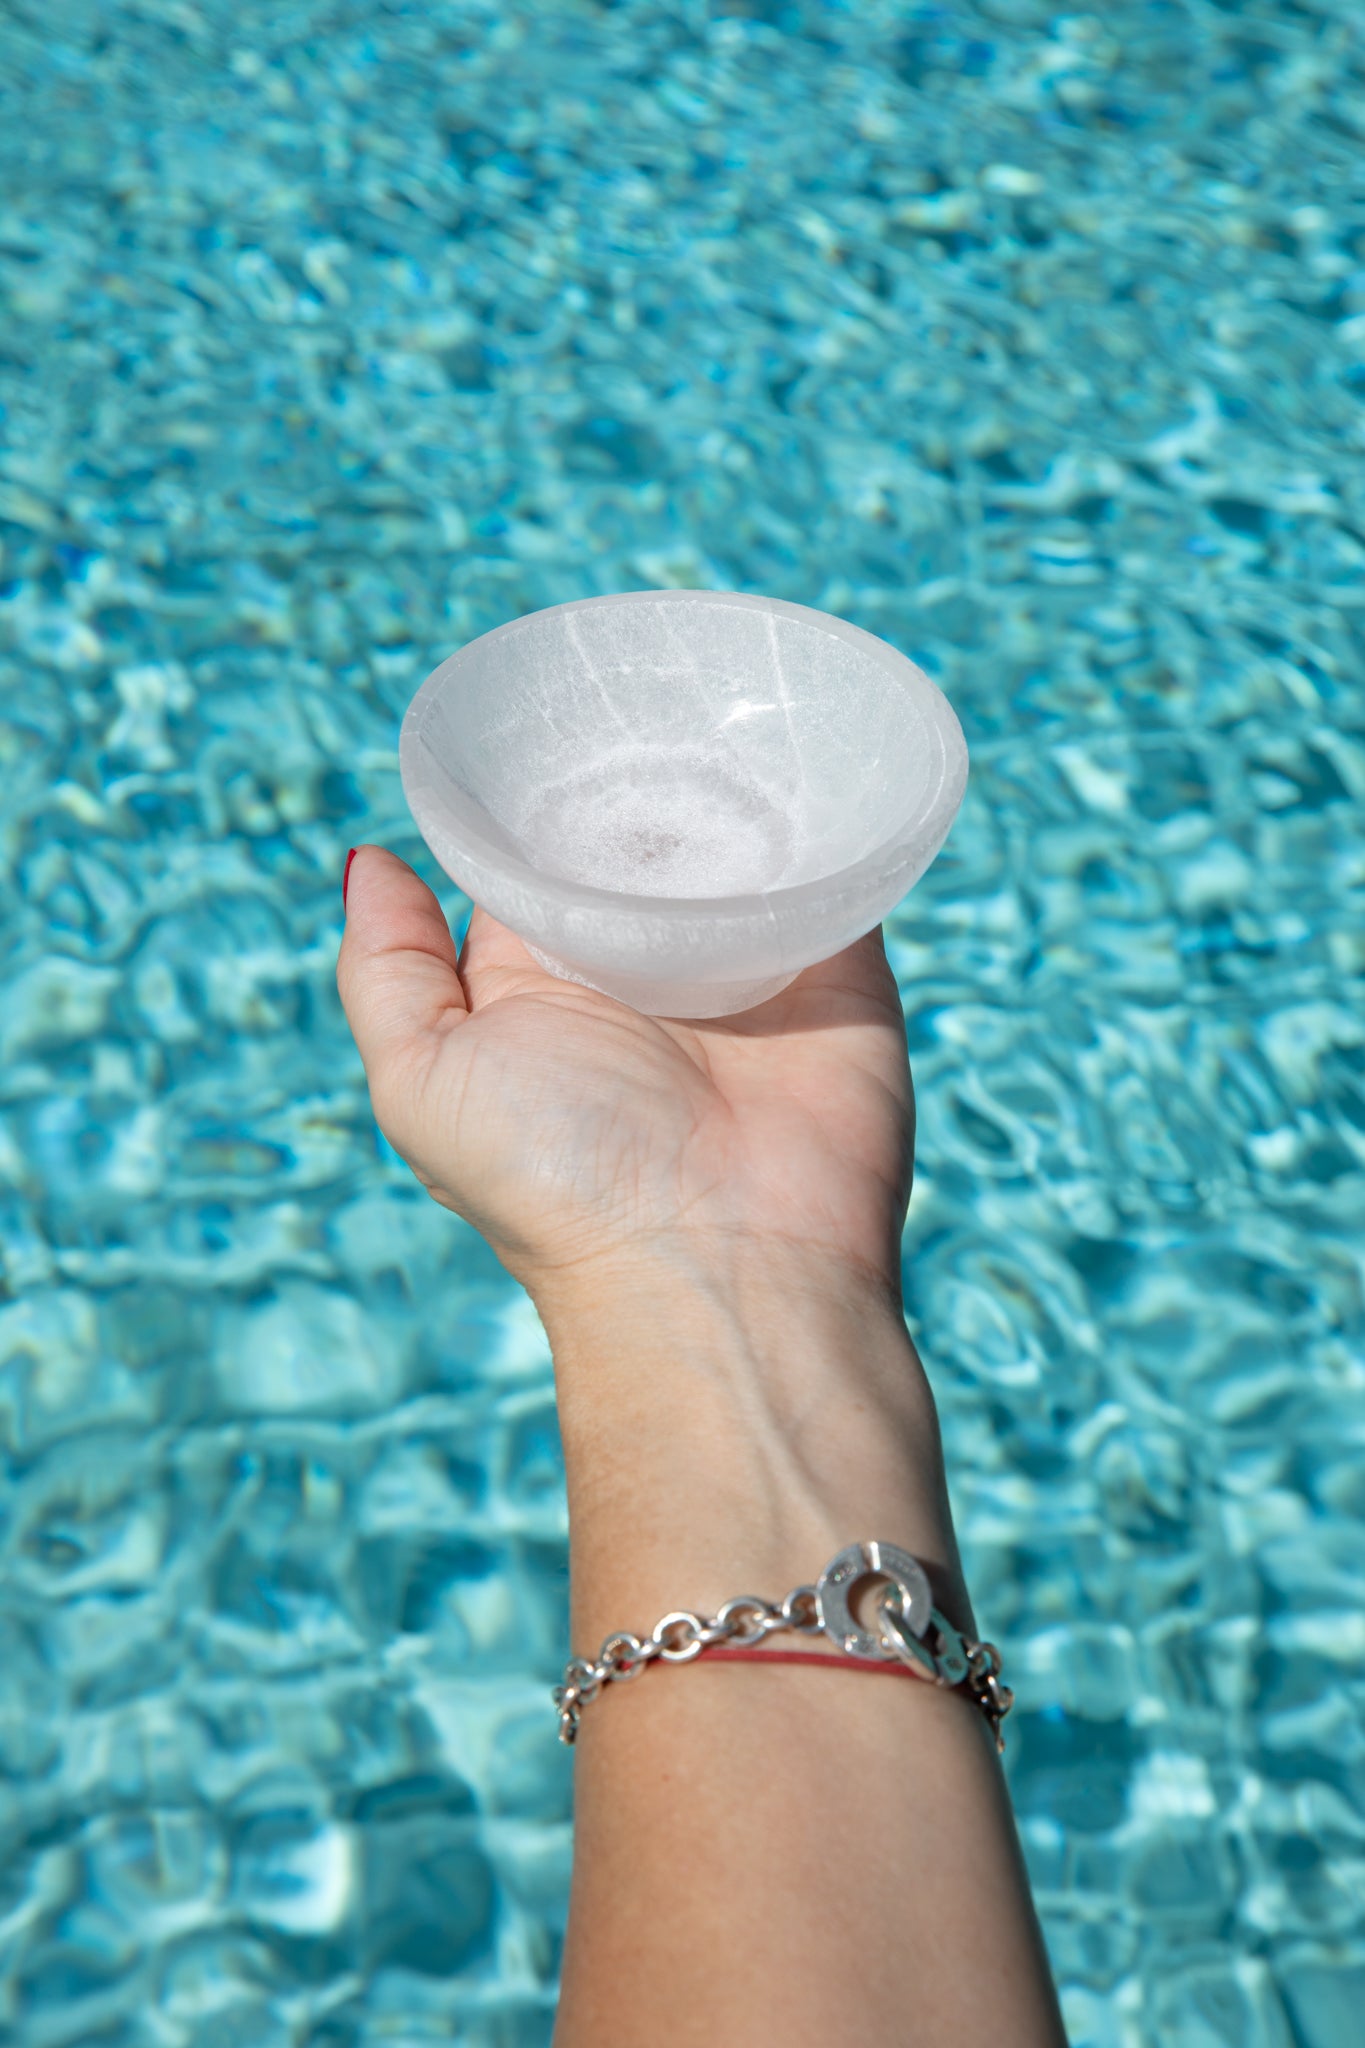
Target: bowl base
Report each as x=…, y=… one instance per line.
x=656, y=820
x=658, y=997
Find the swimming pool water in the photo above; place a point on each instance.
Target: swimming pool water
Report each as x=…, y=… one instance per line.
x=337, y=333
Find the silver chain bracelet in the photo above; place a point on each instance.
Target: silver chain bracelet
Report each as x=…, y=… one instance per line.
x=910, y=1632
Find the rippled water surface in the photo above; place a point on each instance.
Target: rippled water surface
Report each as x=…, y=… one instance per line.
x=336, y=333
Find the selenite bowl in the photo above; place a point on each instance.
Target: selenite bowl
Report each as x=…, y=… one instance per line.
x=682, y=797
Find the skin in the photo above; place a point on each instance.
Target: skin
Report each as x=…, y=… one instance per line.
x=708, y=1218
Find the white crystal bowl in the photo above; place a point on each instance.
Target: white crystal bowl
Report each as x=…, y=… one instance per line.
x=682, y=797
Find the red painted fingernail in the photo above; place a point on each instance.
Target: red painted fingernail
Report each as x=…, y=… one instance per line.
x=346, y=876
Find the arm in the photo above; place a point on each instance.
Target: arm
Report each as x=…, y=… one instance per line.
x=708, y=1218
x=789, y=1855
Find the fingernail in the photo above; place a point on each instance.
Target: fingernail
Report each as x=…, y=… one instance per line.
x=346, y=876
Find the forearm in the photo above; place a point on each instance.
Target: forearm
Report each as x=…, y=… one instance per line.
x=797, y=1855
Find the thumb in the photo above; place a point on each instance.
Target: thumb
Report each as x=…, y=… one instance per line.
x=397, y=971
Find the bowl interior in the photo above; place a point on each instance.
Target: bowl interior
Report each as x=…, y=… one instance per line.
x=684, y=744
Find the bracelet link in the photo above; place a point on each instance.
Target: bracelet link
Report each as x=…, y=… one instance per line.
x=679, y=1636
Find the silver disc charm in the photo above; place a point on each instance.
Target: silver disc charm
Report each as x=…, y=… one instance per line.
x=862, y=1561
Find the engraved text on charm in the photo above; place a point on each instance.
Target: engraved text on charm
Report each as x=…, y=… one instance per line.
x=869, y=1560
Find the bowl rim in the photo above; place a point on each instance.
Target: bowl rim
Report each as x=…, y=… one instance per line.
x=821, y=891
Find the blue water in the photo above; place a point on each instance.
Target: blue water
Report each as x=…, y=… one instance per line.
x=337, y=333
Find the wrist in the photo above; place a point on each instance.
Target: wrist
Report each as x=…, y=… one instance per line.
x=729, y=1422
x=755, y=1295
x=692, y=1340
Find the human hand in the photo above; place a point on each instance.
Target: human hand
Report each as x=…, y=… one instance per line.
x=584, y=1140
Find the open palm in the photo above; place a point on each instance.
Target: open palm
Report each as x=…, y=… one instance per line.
x=574, y=1132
